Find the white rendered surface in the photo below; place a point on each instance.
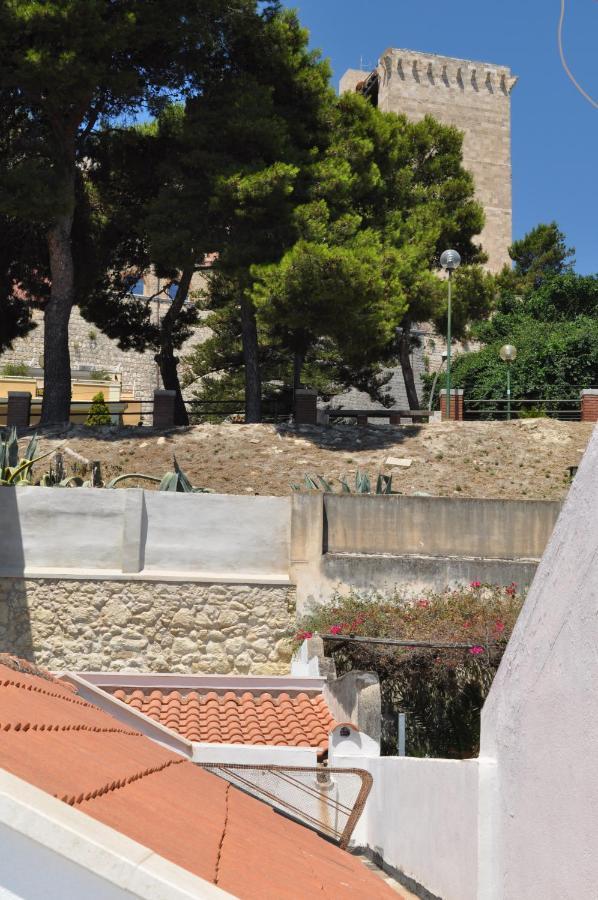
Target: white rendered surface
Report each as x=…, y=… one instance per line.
x=421, y=818
x=539, y=722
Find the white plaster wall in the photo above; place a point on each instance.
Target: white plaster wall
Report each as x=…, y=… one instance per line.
x=211, y=532
x=540, y=720
x=86, y=530
x=421, y=818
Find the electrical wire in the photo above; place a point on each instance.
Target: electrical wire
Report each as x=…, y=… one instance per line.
x=570, y=74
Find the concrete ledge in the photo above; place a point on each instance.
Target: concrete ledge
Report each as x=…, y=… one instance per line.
x=62, y=574
x=416, y=573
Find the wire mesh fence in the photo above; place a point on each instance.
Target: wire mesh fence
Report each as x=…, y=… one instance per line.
x=328, y=800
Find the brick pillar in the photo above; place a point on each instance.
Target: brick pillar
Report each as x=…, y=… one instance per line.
x=306, y=407
x=164, y=409
x=456, y=404
x=589, y=406
x=19, y=408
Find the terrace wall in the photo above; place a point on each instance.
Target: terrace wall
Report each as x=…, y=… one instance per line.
x=211, y=583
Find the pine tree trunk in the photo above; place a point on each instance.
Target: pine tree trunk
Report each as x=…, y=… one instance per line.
x=253, y=376
x=298, y=359
x=407, y=368
x=56, y=405
x=166, y=359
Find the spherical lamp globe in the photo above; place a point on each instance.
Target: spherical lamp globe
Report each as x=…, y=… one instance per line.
x=450, y=260
x=508, y=353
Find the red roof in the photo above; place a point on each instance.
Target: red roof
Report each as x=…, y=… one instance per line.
x=282, y=719
x=74, y=751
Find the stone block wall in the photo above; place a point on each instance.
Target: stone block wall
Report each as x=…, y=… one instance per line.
x=476, y=98
x=90, y=348
x=148, y=626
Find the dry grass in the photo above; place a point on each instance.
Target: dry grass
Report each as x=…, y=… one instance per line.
x=526, y=458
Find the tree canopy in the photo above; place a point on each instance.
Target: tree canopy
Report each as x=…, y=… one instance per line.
x=65, y=67
x=554, y=327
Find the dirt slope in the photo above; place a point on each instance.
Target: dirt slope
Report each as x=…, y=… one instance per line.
x=479, y=459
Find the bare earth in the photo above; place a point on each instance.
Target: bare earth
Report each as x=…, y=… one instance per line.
x=526, y=458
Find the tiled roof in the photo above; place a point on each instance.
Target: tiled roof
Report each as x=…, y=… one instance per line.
x=54, y=740
x=281, y=719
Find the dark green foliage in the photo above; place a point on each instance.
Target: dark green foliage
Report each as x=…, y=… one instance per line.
x=555, y=330
x=99, y=414
x=540, y=254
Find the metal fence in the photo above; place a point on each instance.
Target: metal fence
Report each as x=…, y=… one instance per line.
x=560, y=408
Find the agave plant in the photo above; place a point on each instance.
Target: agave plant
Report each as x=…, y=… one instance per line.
x=363, y=484
x=15, y=471
x=172, y=481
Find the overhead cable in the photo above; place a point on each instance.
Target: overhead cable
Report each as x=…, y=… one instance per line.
x=570, y=74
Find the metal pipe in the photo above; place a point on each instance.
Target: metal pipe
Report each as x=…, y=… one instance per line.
x=448, y=349
x=430, y=645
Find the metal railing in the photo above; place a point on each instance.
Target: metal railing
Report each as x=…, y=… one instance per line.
x=561, y=408
x=327, y=799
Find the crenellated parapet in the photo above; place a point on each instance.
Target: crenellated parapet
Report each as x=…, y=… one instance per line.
x=445, y=72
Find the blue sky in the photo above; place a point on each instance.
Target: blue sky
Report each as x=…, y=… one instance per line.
x=555, y=131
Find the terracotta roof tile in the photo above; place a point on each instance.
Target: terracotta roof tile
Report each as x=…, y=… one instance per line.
x=284, y=719
x=74, y=751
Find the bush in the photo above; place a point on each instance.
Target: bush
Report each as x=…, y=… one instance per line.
x=99, y=414
x=441, y=690
x=15, y=369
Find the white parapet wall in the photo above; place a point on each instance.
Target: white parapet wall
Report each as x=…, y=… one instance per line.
x=540, y=722
x=154, y=533
x=421, y=821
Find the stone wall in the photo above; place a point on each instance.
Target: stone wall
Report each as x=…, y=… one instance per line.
x=93, y=625
x=90, y=348
x=476, y=98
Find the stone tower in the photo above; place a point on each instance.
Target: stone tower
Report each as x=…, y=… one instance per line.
x=473, y=96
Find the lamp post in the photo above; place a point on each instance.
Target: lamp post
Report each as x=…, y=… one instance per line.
x=508, y=353
x=450, y=260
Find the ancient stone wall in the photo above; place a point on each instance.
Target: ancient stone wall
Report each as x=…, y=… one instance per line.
x=91, y=349
x=92, y=625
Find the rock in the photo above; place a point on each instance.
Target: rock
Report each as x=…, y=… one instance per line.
x=182, y=646
x=161, y=440
x=183, y=621
x=235, y=646
x=116, y=613
x=398, y=461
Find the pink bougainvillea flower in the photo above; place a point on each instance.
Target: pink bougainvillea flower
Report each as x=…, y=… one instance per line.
x=475, y=651
x=336, y=629
x=467, y=624
x=304, y=635
x=499, y=626
x=475, y=584
x=423, y=603
x=512, y=589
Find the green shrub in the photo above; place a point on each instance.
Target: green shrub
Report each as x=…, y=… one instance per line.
x=99, y=414
x=15, y=369
x=440, y=690
x=99, y=375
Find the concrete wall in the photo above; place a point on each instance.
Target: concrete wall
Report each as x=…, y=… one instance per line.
x=539, y=722
x=420, y=822
x=417, y=543
x=133, y=531
x=439, y=526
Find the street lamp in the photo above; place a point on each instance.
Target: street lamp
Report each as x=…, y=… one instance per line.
x=508, y=354
x=450, y=260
